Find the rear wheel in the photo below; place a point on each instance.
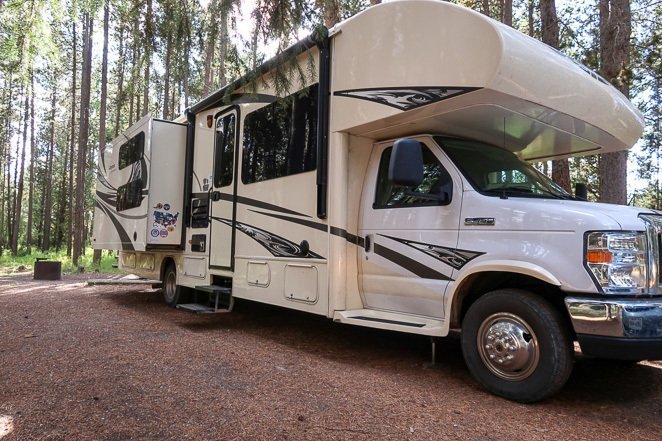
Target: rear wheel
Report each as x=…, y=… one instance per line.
x=517, y=345
x=171, y=291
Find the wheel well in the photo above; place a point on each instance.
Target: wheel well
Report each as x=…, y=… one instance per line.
x=164, y=264
x=475, y=285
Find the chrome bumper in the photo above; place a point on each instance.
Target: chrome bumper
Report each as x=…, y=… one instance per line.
x=629, y=318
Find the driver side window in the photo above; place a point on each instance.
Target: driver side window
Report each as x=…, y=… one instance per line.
x=436, y=181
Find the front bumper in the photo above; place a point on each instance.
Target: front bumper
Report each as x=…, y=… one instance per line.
x=624, y=329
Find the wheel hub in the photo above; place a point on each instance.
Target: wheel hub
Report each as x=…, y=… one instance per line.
x=170, y=286
x=508, y=347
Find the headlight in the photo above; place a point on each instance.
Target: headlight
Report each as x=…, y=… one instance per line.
x=617, y=260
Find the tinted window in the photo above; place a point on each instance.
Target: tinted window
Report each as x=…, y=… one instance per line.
x=436, y=181
x=224, y=156
x=129, y=195
x=132, y=150
x=281, y=138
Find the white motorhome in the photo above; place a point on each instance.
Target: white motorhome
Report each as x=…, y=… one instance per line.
x=389, y=188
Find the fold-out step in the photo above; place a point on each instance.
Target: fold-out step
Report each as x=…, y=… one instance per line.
x=210, y=299
x=391, y=321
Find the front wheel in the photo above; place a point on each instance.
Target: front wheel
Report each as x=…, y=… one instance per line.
x=517, y=345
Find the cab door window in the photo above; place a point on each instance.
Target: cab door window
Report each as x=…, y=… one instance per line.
x=436, y=181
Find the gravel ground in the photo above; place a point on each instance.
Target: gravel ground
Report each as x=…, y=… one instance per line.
x=115, y=363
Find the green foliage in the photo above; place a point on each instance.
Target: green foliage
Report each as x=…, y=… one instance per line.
x=12, y=264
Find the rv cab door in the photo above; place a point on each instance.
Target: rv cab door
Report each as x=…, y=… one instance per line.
x=410, y=234
x=222, y=210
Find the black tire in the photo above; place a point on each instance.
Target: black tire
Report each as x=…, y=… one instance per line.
x=171, y=291
x=517, y=345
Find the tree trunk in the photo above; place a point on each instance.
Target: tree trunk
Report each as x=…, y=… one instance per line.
x=46, y=241
x=19, y=192
x=62, y=205
x=134, y=63
x=531, y=8
x=102, y=111
x=104, y=82
x=149, y=36
x=507, y=13
x=3, y=156
x=119, y=99
x=138, y=109
x=166, y=79
x=28, y=238
x=615, y=30
x=550, y=36
x=72, y=141
x=223, y=52
x=330, y=10
x=210, y=46
x=6, y=169
x=485, y=7
x=83, y=133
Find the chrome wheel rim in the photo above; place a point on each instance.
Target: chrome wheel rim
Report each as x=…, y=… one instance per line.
x=170, y=286
x=508, y=347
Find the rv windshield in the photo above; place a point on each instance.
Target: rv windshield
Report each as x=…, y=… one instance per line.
x=498, y=172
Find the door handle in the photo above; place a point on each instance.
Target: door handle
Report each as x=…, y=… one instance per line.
x=367, y=242
x=215, y=196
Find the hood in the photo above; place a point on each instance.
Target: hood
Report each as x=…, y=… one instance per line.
x=553, y=215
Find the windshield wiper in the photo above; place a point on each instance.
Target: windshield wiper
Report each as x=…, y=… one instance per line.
x=513, y=191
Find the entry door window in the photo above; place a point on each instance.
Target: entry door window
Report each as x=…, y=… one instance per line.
x=225, y=145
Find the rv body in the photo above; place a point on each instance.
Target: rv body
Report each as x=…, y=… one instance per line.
x=300, y=199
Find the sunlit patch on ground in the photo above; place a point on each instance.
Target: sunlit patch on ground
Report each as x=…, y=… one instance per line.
x=655, y=364
x=6, y=425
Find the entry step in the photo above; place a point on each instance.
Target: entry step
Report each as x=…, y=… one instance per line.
x=211, y=289
x=210, y=299
x=199, y=308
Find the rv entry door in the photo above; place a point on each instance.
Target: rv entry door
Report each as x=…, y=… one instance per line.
x=410, y=234
x=223, y=190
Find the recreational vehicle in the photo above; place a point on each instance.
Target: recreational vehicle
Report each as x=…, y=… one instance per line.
x=390, y=186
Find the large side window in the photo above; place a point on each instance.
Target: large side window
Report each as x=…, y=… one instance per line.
x=281, y=139
x=132, y=150
x=436, y=181
x=129, y=195
x=224, y=156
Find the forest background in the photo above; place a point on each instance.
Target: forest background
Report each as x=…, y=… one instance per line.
x=76, y=73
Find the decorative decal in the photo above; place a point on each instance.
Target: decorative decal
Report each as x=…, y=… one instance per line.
x=165, y=219
x=127, y=244
x=276, y=245
x=452, y=257
x=406, y=98
x=164, y=223
x=409, y=264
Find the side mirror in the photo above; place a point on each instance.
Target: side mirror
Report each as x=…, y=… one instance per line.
x=406, y=166
x=581, y=191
